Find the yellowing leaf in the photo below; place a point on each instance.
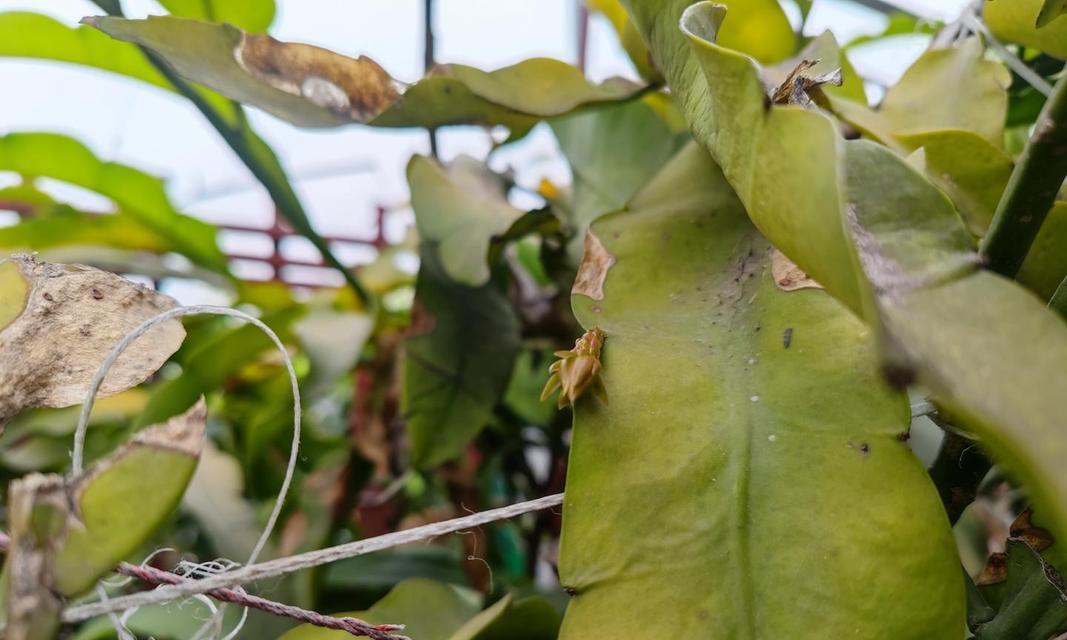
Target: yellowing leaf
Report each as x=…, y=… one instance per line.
x=890, y=246
x=14, y=289
x=314, y=87
x=73, y=317
x=120, y=500
x=741, y=415
x=1028, y=22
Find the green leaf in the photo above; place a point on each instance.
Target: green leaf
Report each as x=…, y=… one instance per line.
x=532, y=618
x=916, y=105
x=970, y=170
x=740, y=415
x=120, y=500
x=458, y=360
x=612, y=152
x=1050, y=10
x=136, y=194
x=1018, y=21
x=314, y=87
x=31, y=35
x=384, y=569
x=1033, y=601
x=251, y=15
x=160, y=621
x=460, y=209
x=431, y=611
x=891, y=247
x=71, y=319
x=1046, y=264
x=62, y=226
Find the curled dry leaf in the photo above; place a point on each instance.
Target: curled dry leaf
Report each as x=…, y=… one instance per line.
x=71, y=318
x=788, y=276
x=801, y=81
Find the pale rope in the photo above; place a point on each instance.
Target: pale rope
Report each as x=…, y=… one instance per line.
x=282, y=566
x=213, y=625
x=98, y=380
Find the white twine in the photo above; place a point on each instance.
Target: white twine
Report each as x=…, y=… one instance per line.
x=282, y=566
x=213, y=626
x=98, y=380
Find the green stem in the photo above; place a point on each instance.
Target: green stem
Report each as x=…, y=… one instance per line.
x=258, y=157
x=1032, y=189
x=1058, y=301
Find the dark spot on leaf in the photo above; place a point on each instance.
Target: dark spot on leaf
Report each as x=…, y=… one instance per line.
x=865, y=449
x=96, y=294
x=48, y=297
x=787, y=337
x=571, y=591
x=898, y=377
x=904, y=436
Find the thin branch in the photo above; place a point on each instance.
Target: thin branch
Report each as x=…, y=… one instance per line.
x=1032, y=189
x=429, y=59
x=283, y=566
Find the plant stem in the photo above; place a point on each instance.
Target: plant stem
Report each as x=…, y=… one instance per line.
x=257, y=156
x=1032, y=189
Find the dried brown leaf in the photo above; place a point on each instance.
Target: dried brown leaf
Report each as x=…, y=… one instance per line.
x=788, y=276
x=74, y=316
x=358, y=88
x=596, y=263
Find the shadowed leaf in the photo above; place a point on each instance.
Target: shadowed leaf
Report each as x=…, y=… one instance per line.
x=460, y=352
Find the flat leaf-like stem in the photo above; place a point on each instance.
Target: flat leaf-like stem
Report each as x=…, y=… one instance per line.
x=1032, y=189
